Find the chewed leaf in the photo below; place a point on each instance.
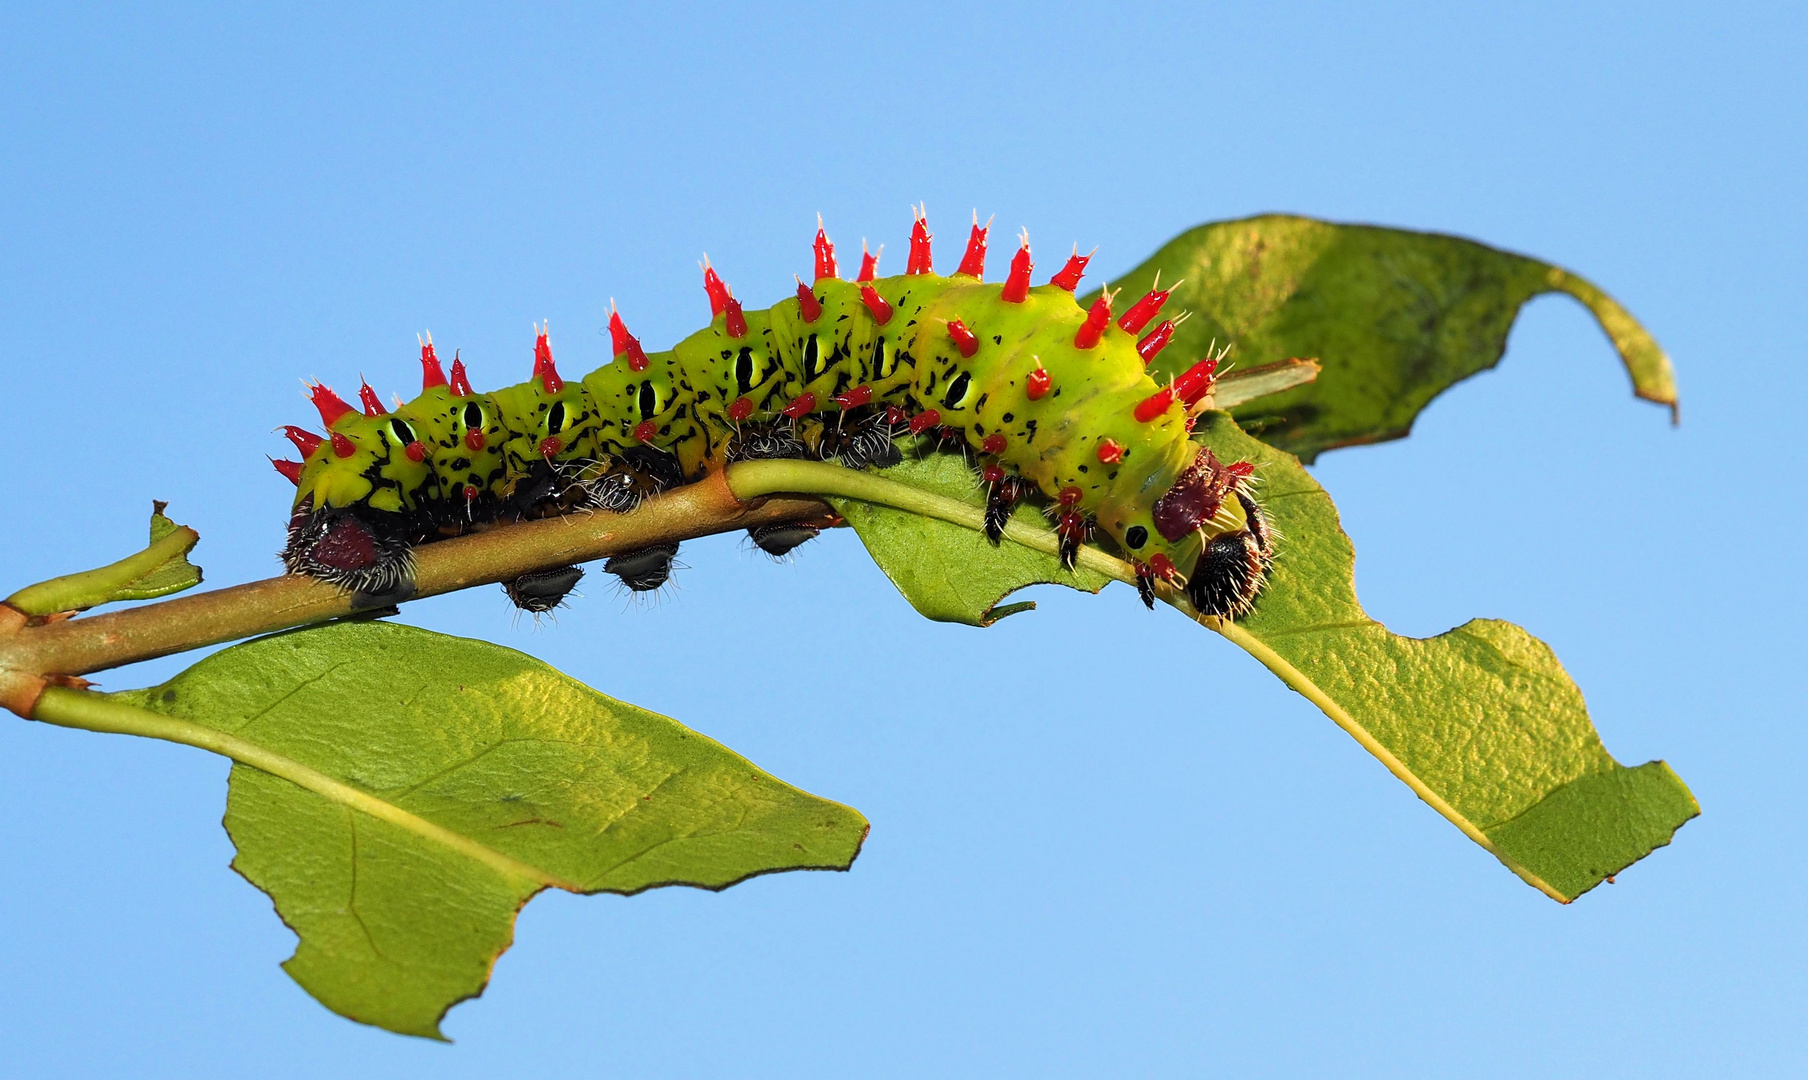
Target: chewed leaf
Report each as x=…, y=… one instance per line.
x=160, y=569
x=947, y=572
x=1395, y=318
x=407, y=792
x=1481, y=721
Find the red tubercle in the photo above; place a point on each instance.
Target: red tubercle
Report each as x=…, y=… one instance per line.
x=416, y=451
x=875, y=304
x=543, y=366
x=1070, y=496
x=825, y=253
x=1070, y=275
x=645, y=430
x=1164, y=567
x=1154, y=405
x=808, y=306
x=919, y=261
x=869, y=262
x=1098, y=317
x=1017, y=282
x=740, y=409
x=1072, y=525
x=991, y=474
x=551, y=445
x=475, y=442
x=925, y=420
x=461, y=386
x=735, y=320
x=306, y=442
x=1157, y=340
x=801, y=406
x=973, y=263
x=1196, y=381
x=431, y=375
x=373, y=405
x=994, y=444
x=624, y=343
x=714, y=286
x=290, y=469
x=1110, y=452
x=471, y=493
x=330, y=405
x=1144, y=310
x=963, y=338
x=856, y=397
x=895, y=415
x=1240, y=470
x=1037, y=385
x=342, y=446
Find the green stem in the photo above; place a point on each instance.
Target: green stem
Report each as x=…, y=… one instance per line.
x=76, y=592
x=96, y=712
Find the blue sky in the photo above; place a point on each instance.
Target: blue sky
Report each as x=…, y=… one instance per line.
x=1071, y=872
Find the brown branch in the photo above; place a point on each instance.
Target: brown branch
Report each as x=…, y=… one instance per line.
x=33, y=656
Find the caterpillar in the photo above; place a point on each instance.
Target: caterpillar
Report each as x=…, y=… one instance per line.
x=1050, y=399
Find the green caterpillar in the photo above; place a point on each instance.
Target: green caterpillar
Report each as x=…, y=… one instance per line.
x=1052, y=400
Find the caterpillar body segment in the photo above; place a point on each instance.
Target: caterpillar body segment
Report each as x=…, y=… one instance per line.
x=1050, y=399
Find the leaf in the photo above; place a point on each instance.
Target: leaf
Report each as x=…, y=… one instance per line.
x=400, y=794
x=950, y=573
x=1481, y=721
x=1395, y=317
x=160, y=569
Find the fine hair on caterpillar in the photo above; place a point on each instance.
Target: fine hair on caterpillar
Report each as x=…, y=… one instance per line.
x=1050, y=401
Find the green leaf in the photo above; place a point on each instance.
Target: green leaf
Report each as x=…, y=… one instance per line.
x=1481, y=721
x=400, y=794
x=947, y=572
x=160, y=569
x=1395, y=317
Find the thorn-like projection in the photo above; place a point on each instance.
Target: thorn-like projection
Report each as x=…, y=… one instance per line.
x=1157, y=340
x=461, y=386
x=306, y=442
x=734, y=320
x=801, y=406
x=290, y=469
x=1196, y=381
x=875, y=304
x=1070, y=275
x=869, y=262
x=925, y=420
x=1148, y=307
x=330, y=405
x=855, y=397
x=1154, y=405
x=543, y=366
x=1017, y=282
x=373, y=405
x=973, y=263
x=994, y=444
x=342, y=446
x=963, y=338
x=1098, y=317
x=624, y=343
x=825, y=253
x=718, y=292
x=1110, y=452
x=431, y=375
x=919, y=261
x=1038, y=383
x=808, y=305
